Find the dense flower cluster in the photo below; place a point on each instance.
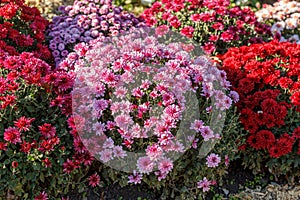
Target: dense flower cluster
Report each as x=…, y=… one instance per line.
x=128, y=100
x=123, y=122
x=266, y=76
x=22, y=28
x=284, y=16
x=84, y=21
x=214, y=24
x=34, y=105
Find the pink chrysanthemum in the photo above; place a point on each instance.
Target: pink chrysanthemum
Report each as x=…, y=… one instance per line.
x=206, y=133
x=47, y=130
x=204, y=184
x=145, y=165
x=119, y=152
x=226, y=160
x=154, y=152
x=213, y=160
x=197, y=125
x=106, y=155
x=165, y=165
x=135, y=178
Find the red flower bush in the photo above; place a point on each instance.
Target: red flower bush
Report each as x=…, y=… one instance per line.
x=22, y=28
x=214, y=24
x=266, y=76
x=37, y=151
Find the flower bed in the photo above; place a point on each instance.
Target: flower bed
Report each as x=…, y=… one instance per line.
x=84, y=21
x=266, y=78
x=22, y=29
x=128, y=106
x=36, y=148
x=215, y=25
x=284, y=17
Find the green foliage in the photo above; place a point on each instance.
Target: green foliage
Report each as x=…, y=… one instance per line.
x=134, y=6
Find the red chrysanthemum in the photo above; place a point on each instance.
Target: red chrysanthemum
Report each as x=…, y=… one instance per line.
x=3, y=146
x=295, y=98
x=47, y=162
x=41, y=196
x=265, y=138
x=282, y=146
x=94, y=180
x=23, y=123
x=296, y=133
x=253, y=141
x=68, y=166
x=47, y=130
x=25, y=147
x=14, y=164
x=12, y=135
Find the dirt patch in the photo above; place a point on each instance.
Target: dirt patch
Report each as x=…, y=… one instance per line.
x=115, y=192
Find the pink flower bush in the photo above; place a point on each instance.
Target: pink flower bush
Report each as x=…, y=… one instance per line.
x=112, y=100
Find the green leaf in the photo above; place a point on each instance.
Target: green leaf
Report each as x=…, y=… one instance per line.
x=30, y=109
x=18, y=190
x=42, y=177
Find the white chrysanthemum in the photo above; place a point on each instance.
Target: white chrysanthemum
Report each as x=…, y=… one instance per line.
x=278, y=27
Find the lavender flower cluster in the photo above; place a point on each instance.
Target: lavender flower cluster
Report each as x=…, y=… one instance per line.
x=84, y=21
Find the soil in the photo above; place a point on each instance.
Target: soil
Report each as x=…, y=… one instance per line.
x=237, y=179
x=115, y=192
x=233, y=183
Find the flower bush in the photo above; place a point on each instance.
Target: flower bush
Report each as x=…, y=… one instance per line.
x=39, y=156
x=115, y=121
x=254, y=4
x=22, y=29
x=214, y=24
x=266, y=76
x=284, y=17
x=84, y=21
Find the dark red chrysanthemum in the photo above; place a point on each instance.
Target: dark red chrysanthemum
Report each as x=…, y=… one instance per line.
x=41, y=196
x=296, y=133
x=282, y=146
x=265, y=138
x=68, y=166
x=47, y=130
x=94, y=180
x=253, y=141
x=47, y=162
